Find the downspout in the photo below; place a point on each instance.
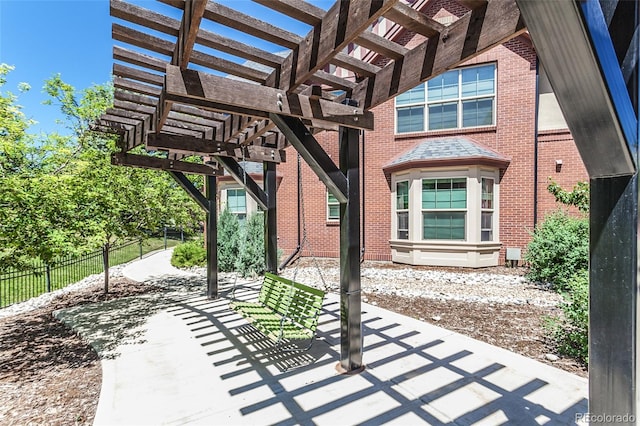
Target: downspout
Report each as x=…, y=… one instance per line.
x=297, y=249
x=535, y=146
x=364, y=211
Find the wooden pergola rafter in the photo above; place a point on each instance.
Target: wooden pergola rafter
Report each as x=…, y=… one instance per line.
x=163, y=63
x=184, y=86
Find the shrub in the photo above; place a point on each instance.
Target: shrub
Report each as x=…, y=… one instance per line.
x=191, y=253
x=250, y=259
x=558, y=250
x=571, y=331
x=228, y=240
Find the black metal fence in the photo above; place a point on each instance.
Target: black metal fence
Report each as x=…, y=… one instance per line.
x=18, y=286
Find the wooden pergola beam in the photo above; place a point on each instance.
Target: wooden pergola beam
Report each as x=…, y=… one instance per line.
x=221, y=94
x=198, y=146
x=414, y=21
x=193, y=12
x=139, y=59
x=300, y=10
x=241, y=176
x=149, y=162
x=472, y=34
x=381, y=45
x=341, y=25
x=314, y=155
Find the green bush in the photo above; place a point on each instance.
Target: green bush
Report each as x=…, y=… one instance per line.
x=558, y=250
x=191, y=253
x=571, y=331
x=228, y=241
x=250, y=261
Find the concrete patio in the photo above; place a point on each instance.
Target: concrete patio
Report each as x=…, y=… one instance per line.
x=183, y=359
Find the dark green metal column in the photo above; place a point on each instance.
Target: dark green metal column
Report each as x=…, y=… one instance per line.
x=350, y=297
x=212, y=237
x=270, y=220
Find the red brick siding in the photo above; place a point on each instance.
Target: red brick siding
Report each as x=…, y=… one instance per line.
x=552, y=146
x=513, y=136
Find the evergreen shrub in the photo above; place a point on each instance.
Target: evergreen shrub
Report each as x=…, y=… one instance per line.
x=250, y=261
x=228, y=241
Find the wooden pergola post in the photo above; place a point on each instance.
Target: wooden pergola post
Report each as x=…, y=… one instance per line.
x=350, y=291
x=211, y=237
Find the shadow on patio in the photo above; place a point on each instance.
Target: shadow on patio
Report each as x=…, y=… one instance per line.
x=224, y=372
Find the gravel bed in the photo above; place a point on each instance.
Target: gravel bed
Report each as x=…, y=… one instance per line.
x=435, y=284
x=508, y=286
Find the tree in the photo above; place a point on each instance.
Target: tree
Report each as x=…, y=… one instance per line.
x=59, y=194
x=115, y=203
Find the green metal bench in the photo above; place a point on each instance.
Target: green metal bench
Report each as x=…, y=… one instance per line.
x=285, y=310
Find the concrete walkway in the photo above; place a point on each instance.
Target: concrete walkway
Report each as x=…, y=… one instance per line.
x=184, y=359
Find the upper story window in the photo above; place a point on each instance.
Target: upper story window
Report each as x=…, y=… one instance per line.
x=456, y=99
x=333, y=207
x=237, y=203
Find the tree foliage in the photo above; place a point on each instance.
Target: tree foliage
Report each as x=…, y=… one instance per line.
x=577, y=197
x=59, y=193
x=571, y=330
x=228, y=240
x=250, y=261
x=559, y=249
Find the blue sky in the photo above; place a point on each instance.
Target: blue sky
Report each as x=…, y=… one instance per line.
x=73, y=37
x=44, y=37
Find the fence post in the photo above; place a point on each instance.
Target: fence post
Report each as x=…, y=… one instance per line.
x=181, y=235
x=165, y=237
x=105, y=262
x=140, y=248
x=48, y=277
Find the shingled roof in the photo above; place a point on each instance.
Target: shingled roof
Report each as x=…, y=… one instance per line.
x=456, y=150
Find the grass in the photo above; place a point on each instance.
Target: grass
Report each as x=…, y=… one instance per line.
x=19, y=286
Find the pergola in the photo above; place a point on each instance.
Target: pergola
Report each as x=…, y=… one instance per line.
x=183, y=89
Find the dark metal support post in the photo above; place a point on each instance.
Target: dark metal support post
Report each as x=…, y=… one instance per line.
x=613, y=313
x=270, y=220
x=350, y=297
x=212, y=238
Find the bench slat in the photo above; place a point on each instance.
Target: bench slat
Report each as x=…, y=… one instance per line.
x=280, y=297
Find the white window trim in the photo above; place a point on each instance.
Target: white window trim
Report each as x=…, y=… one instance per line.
x=459, y=100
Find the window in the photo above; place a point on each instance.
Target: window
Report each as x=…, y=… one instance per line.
x=402, y=209
x=444, y=204
x=333, y=207
x=486, y=215
x=456, y=99
x=237, y=203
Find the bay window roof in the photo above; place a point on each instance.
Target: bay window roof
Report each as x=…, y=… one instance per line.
x=448, y=151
